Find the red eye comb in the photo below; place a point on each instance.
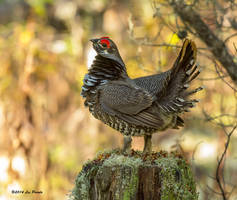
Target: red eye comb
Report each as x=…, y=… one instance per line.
x=105, y=41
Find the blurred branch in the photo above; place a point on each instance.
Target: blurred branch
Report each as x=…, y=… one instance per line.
x=218, y=174
x=229, y=37
x=220, y=123
x=235, y=47
x=167, y=45
x=216, y=45
x=220, y=116
x=212, y=79
x=219, y=74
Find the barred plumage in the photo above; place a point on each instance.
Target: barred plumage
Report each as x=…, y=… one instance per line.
x=141, y=106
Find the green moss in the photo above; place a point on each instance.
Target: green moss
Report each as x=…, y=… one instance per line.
x=115, y=159
x=129, y=182
x=176, y=177
x=82, y=184
x=131, y=185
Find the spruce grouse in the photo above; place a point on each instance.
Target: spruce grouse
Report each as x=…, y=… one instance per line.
x=141, y=106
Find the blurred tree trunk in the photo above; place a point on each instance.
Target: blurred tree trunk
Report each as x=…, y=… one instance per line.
x=135, y=177
x=214, y=43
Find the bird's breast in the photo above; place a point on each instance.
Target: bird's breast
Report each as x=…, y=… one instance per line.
x=89, y=91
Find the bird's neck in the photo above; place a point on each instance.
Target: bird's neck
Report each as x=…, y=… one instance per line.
x=107, y=69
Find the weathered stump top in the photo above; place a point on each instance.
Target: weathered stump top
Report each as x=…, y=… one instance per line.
x=137, y=176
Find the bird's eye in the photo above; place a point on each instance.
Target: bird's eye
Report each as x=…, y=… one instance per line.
x=104, y=44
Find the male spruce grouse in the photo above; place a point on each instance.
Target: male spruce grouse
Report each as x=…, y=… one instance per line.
x=141, y=106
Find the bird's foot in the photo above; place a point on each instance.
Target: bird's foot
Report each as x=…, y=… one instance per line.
x=127, y=143
x=147, y=144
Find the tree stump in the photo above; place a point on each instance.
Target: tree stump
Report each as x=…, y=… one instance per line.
x=115, y=176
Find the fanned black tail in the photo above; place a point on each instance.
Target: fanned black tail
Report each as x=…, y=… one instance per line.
x=183, y=72
x=186, y=68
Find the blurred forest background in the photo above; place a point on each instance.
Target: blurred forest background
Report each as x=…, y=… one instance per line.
x=46, y=134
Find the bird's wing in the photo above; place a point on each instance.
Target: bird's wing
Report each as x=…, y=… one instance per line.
x=124, y=98
x=129, y=103
x=154, y=84
x=173, y=97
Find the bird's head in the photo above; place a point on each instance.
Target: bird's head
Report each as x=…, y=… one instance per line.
x=105, y=47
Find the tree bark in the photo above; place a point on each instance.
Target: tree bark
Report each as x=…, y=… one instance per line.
x=215, y=44
x=115, y=176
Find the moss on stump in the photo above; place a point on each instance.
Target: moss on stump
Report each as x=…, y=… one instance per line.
x=115, y=176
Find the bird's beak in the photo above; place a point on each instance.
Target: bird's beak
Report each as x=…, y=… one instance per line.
x=94, y=40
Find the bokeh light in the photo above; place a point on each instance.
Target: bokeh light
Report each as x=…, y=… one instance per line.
x=206, y=151
x=19, y=165
x=4, y=164
x=14, y=187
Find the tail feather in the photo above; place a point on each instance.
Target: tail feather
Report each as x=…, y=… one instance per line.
x=191, y=71
x=194, y=76
x=195, y=91
x=183, y=72
x=187, y=57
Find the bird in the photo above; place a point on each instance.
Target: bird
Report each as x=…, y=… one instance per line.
x=144, y=105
